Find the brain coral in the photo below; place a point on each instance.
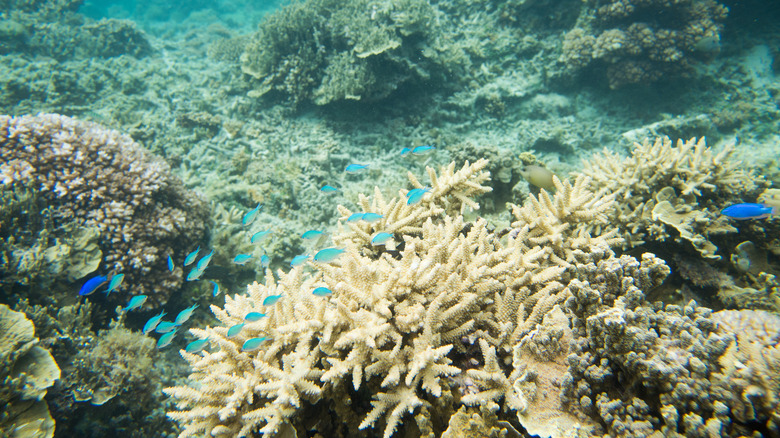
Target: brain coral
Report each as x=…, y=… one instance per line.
x=644, y=40
x=104, y=180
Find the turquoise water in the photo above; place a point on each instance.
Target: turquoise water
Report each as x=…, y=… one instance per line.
x=158, y=158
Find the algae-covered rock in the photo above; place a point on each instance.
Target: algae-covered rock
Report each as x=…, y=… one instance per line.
x=26, y=373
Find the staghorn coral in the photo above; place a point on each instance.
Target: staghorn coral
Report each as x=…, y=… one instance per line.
x=325, y=51
x=400, y=322
x=26, y=373
x=666, y=191
x=640, y=41
x=103, y=180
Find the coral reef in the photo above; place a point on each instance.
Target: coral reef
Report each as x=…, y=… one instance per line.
x=325, y=51
x=104, y=181
x=667, y=191
x=640, y=41
x=399, y=322
x=26, y=373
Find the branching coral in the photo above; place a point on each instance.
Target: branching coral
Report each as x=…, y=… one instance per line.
x=644, y=40
x=104, y=180
x=665, y=190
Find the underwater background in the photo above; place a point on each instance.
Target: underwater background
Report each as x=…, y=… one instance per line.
x=390, y=218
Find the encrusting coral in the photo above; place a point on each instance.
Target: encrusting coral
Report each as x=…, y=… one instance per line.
x=103, y=180
x=639, y=41
x=26, y=372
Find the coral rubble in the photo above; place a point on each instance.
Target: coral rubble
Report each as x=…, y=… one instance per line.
x=104, y=181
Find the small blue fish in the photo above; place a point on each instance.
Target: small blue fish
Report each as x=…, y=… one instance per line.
x=116, y=280
x=194, y=274
x=204, y=262
x=405, y=151
x=170, y=263
x=271, y=300
x=415, y=195
x=196, y=346
x=254, y=316
x=152, y=323
x=92, y=284
x=327, y=255
x=312, y=234
x=422, y=150
x=265, y=260
x=298, y=260
x=214, y=292
x=354, y=217
x=135, y=302
x=251, y=215
x=355, y=168
x=372, y=217
x=258, y=236
x=749, y=211
x=242, y=259
x=253, y=344
x=184, y=315
x=235, y=330
x=166, y=327
x=191, y=257
x=322, y=291
x=328, y=189
x=165, y=340
x=381, y=238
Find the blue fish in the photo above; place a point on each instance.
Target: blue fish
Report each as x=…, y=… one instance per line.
x=116, y=280
x=322, y=291
x=92, y=284
x=152, y=323
x=372, y=217
x=235, y=330
x=381, y=238
x=194, y=274
x=135, y=302
x=251, y=215
x=170, y=263
x=355, y=168
x=258, y=236
x=298, y=260
x=749, y=211
x=312, y=234
x=354, y=217
x=265, y=260
x=191, y=257
x=253, y=344
x=422, y=150
x=242, y=259
x=214, y=292
x=166, y=327
x=196, y=346
x=254, y=316
x=204, y=262
x=327, y=255
x=328, y=189
x=165, y=340
x=185, y=314
x=415, y=195
x=271, y=300
x=405, y=151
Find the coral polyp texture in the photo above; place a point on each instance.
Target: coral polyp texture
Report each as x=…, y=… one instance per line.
x=637, y=41
x=668, y=191
x=103, y=180
x=325, y=51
